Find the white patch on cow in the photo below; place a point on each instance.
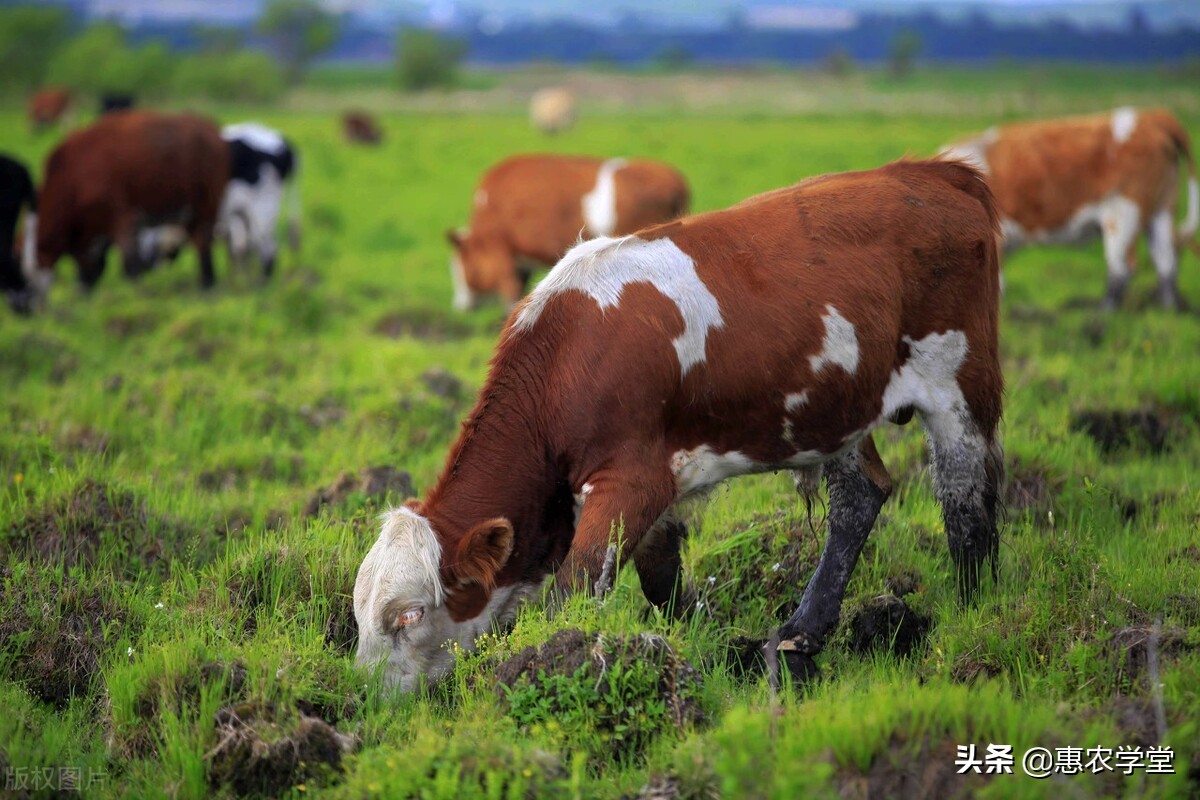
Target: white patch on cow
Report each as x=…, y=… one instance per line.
x=1161, y=238
x=29, y=265
x=402, y=571
x=481, y=198
x=1191, y=221
x=973, y=151
x=697, y=469
x=256, y=135
x=1116, y=217
x=464, y=298
x=580, y=499
x=250, y=215
x=792, y=403
x=928, y=380
x=601, y=268
x=840, y=345
x=1124, y=123
x=600, y=204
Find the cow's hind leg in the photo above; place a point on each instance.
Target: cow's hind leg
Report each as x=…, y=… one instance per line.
x=659, y=564
x=1119, y=228
x=968, y=471
x=858, y=486
x=202, y=240
x=1161, y=236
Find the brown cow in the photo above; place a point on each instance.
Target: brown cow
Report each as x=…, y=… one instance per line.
x=361, y=128
x=47, y=107
x=645, y=369
x=535, y=207
x=1116, y=175
x=127, y=172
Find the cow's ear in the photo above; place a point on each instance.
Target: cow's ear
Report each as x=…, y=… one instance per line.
x=455, y=237
x=483, y=552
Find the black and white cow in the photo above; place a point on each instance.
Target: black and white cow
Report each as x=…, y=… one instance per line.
x=264, y=166
x=17, y=192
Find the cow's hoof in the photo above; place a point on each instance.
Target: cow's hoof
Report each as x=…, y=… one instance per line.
x=800, y=666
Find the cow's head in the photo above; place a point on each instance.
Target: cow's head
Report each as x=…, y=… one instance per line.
x=481, y=265
x=415, y=599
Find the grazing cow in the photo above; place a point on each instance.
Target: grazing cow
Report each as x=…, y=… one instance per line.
x=552, y=110
x=1116, y=175
x=534, y=207
x=361, y=128
x=116, y=101
x=647, y=368
x=127, y=172
x=16, y=193
x=47, y=107
x=263, y=164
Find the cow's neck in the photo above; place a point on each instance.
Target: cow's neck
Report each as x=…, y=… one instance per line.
x=501, y=467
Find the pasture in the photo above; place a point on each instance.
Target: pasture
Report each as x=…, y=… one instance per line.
x=176, y=616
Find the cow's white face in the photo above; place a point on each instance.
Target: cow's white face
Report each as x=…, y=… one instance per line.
x=401, y=594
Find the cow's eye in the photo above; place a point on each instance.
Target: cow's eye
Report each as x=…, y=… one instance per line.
x=410, y=617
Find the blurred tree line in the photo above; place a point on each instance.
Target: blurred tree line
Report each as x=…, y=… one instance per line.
x=42, y=45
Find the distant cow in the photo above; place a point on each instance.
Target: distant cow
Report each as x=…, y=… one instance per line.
x=552, y=110
x=116, y=101
x=1115, y=175
x=361, y=128
x=125, y=173
x=644, y=369
x=47, y=107
x=534, y=207
x=263, y=164
x=16, y=266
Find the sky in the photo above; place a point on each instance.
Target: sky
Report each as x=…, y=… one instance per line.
x=676, y=11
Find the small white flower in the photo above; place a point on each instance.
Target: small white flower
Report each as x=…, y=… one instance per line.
x=699, y=604
x=775, y=567
x=129, y=652
x=158, y=605
x=711, y=580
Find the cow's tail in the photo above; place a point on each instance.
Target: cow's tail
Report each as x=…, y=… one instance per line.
x=29, y=263
x=293, y=223
x=1185, y=234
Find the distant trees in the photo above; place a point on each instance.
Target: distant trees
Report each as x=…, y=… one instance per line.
x=29, y=36
x=903, y=51
x=301, y=30
x=101, y=60
x=425, y=59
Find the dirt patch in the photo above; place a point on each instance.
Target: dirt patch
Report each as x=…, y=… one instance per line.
x=323, y=413
x=422, y=323
x=1094, y=330
x=968, y=669
x=1184, y=607
x=124, y=326
x=903, y=582
x=235, y=476
x=1031, y=488
x=887, y=623
x=1114, y=430
x=341, y=626
x=72, y=528
x=442, y=383
x=370, y=483
x=929, y=774
x=1189, y=553
x=1129, y=649
x=1026, y=313
x=54, y=633
x=83, y=439
x=260, y=752
x=628, y=688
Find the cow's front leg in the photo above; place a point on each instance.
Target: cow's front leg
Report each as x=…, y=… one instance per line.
x=619, y=507
x=858, y=486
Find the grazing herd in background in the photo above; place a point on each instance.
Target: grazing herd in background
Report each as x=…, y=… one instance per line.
x=663, y=353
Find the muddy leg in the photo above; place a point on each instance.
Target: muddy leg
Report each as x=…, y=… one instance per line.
x=1161, y=235
x=858, y=485
x=968, y=468
x=660, y=565
x=203, y=242
x=1120, y=226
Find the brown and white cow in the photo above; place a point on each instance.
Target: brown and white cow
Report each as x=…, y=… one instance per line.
x=645, y=369
x=125, y=173
x=1116, y=175
x=532, y=208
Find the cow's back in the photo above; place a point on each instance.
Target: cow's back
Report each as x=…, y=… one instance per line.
x=1043, y=173
x=535, y=201
x=648, y=193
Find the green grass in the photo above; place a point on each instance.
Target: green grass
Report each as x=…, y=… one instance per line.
x=207, y=421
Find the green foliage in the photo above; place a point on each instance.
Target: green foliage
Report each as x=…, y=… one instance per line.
x=903, y=50
x=425, y=59
x=29, y=37
x=301, y=31
x=244, y=76
x=100, y=59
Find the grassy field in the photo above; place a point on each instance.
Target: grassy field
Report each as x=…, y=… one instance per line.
x=175, y=617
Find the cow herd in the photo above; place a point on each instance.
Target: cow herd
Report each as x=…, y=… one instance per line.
x=663, y=353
